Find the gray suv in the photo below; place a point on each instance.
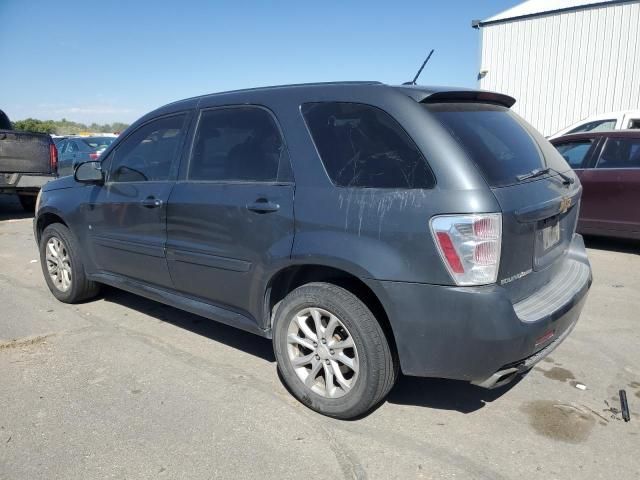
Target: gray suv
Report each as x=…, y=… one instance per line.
x=367, y=229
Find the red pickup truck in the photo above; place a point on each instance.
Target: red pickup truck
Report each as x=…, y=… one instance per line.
x=27, y=161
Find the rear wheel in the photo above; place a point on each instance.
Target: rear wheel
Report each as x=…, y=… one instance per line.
x=332, y=353
x=62, y=266
x=28, y=202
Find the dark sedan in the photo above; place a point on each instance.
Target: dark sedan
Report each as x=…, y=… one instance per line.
x=608, y=164
x=75, y=150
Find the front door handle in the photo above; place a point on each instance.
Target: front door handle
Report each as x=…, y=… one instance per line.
x=151, y=202
x=262, y=205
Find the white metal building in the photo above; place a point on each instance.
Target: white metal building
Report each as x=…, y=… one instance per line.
x=563, y=60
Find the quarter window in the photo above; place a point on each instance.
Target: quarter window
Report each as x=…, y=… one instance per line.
x=149, y=153
x=575, y=152
x=238, y=144
x=620, y=153
x=363, y=146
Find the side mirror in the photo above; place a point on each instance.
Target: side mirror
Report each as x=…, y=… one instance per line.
x=89, y=172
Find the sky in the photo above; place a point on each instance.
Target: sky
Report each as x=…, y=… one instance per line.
x=106, y=61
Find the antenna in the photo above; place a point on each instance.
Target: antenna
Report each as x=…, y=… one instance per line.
x=413, y=82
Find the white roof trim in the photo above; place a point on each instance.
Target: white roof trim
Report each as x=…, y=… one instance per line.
x=536, y=7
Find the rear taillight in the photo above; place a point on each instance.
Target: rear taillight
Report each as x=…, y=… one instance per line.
x=53, y=157
x=94, y=156
x=469, y=246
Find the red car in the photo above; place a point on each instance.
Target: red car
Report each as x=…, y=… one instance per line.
x=608, y=164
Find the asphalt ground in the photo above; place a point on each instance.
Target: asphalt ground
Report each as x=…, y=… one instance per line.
x=124, y=387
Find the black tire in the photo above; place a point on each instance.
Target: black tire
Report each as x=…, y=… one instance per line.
x=377, y=368
x=28, y=202
x=80, y=288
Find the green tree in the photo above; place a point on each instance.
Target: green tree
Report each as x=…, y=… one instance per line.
x=66, y=127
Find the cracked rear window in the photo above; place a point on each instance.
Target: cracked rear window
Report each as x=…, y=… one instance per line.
x=363, y=146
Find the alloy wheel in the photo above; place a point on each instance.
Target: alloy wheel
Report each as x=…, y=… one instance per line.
x=58, y=264
x=322, y=352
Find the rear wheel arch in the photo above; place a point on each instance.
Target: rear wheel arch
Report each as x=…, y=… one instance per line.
x=289, y=278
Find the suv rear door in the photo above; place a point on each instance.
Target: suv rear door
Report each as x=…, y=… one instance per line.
x=126, y=216
x=612, y=187
x=230, y=218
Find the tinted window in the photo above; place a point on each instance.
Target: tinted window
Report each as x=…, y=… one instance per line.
x=98, y=143
x=148, y=153
x=72, y=147
x=237, y=144
x=574, y=152
x=595, y=126
x=362, y=146
x=620, y=153
x=634, y=123
x=493, y=138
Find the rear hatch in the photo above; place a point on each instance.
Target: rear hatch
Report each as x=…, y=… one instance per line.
x=24, y=152
x=539, y=213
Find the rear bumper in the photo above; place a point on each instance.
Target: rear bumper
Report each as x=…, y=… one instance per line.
x=11, y=182
x=476, y=333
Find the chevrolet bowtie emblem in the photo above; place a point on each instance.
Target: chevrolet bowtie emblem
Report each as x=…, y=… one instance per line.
x=565, y=204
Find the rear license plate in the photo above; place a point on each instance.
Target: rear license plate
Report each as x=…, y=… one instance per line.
x=550, y=236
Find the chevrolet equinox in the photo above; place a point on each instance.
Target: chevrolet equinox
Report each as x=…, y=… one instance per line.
x=366, y=229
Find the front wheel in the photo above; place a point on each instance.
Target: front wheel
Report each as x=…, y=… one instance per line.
x=62, y=266
x=332, y=353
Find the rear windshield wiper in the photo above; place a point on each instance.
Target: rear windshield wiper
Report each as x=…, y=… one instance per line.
x=538, y=172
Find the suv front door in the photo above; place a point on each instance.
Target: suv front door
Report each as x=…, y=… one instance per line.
x=230, y=221
x=126, y=217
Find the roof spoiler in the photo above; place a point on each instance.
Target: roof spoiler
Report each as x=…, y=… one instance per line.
x=470, y=96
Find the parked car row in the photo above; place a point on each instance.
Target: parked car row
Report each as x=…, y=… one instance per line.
x=72, y=151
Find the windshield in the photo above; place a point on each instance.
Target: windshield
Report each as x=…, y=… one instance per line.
x=493, y=137
x=98, y=143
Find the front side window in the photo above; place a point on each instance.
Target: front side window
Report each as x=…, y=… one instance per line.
x=595, y=126
x=238, y=144
x=575, y=152
x=148, y=154
x=634, y=123
x=363, y=146
x=620, y=153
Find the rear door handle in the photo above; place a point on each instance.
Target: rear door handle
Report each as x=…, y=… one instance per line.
x=262, y=205
x=151, y=202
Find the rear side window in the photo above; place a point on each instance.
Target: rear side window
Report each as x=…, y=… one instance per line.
x=634, y=123
x=595, y=126
x=492, y=137
x=238, y=144
x=362, y=146
x=98, y=143
x=620, y=153
x=575, y=152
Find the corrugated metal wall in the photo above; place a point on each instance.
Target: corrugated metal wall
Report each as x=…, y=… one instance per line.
x=564, y=67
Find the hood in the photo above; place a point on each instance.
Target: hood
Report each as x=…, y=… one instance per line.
x=60, y=183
